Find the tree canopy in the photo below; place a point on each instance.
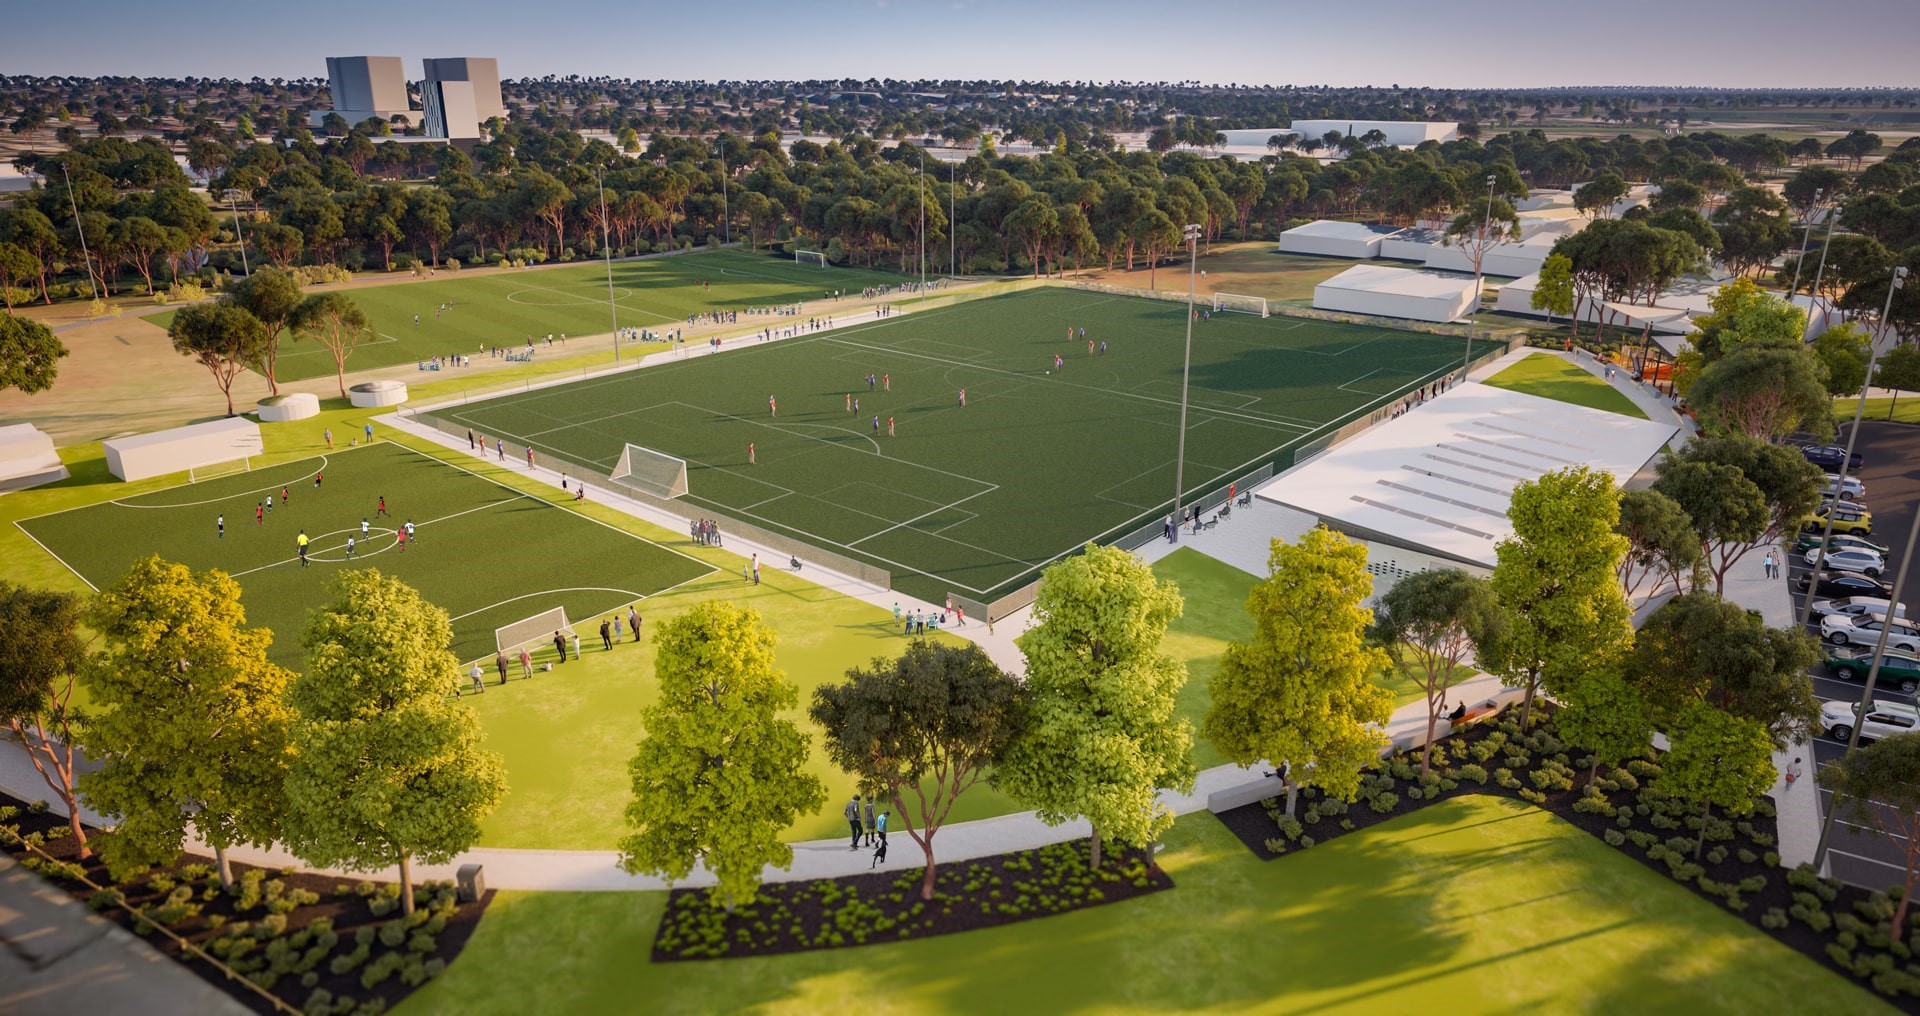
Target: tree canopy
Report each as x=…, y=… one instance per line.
x=29, y=354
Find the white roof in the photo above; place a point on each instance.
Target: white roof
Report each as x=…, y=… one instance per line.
x=1440, y=478
x=1403, y=281
x=240, y=428
x=1342, y=230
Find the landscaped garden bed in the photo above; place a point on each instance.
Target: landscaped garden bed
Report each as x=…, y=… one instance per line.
x=885, y=906
x=320, y=944
x=1738, y=866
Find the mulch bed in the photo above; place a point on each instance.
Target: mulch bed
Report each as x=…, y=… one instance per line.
x=885, y=906
x=1839, y=926
x=349, y=906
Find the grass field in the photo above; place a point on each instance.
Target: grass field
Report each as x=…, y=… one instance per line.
x=1551, y=377
x=505, y=308
x=1905, y=409
x=973, y=499
x=486, y=554
x=1252, y=268
x=1478, y=905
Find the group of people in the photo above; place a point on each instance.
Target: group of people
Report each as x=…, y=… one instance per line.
x=450, y=360
x=610, y=627
x=868, y=829
x=705, y=532
x=437, y=312
x=1421, y=395
x=916, y=622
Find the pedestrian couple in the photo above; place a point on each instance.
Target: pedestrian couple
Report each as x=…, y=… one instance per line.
x=1771, y=564
x=872, y=833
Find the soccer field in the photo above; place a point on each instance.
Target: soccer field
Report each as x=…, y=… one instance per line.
x=973, y=499
x=505, y=308
x=485, y=554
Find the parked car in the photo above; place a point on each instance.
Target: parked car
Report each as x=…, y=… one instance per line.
x=1866, y=562
x=1845, y=520
x=1857, y=606
x=1845, y=505
x=1829, y=457
x=1886, y=719
x=1844, y=584
x=1839, y=541
x=1850, y=487
x=1842, y=630
x=1897, y=670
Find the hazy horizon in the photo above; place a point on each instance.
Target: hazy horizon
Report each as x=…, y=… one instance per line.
x=1640, y=43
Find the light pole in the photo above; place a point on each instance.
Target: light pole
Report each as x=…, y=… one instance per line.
x=1486, y=224
x=1186, y=373
x=1801, y=261
x=726, y=200
x=1846, y=461
x=233, y=203
x=953, y=180
x=606, y=251
x=1873, y=675
x=1813, y=295
x=81, y=230
x=923, y=225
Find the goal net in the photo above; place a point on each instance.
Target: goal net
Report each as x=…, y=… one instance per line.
x=211, y=470
x=811, y=257
x=538, y=628
x=1239, y=304
x=653, y=472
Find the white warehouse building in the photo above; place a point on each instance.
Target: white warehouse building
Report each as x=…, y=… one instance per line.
x=1395, y=292
x=1400, y=133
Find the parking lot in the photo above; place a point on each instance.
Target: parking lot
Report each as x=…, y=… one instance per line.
x=1891, y=472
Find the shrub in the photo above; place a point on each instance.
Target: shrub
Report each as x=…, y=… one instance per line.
x=1476, y=773
x=1614, y=837
x=1383, y=802
x=453, y=264
x=1771, y=859
x=1774, y=919
x=1746, y=856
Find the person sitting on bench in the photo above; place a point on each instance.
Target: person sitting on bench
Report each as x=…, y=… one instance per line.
x=794, y=563
x=1459, y=712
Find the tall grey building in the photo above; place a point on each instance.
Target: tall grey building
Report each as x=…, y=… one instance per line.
x=459, y=87
x=367, y=86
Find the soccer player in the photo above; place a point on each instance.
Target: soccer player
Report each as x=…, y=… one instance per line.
x=259, y=514
x=889, y=426
x=363, y=528
x=963, y=398
x=269, y=504
x=285, y=498
x=317, y=477
x=349, y=546
x=750, y=460
x=381, y=509
x=876, y=425
x=402, y=534
x=302, y=541
x=849, y=402
x=773, y=408
x=220, y=526
x=329, y=436
x=886, y=382
x=409, y=529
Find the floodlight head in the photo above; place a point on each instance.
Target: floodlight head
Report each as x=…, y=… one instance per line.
x=1900, y=276
x=1193, y=232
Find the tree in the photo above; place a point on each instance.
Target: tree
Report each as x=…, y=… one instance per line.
x=1742, y=312
x=1899, y=371
x=1301, y=694
x=1727, y=511
x=224, y=338
x=1661, y=542
x=387, y=766
x=1596, y=197
x=1754, y=228
x=1717, y=758
x=29, y=354
x=1554, y=292
x=17, y=265
x=39, y=659
x=1480, y=228
x=1699, y=648
x=1878, y=785
x=271, y=296
x=930, y=723
x=141, y=241
x=1765, y=390
x=1155, y=234
x=1556, y=578
x=190, y=720
x=1607, y=716
x=337, y=323
x=1430, y=621
x=1102, y=733
x=719, y=775
x=1843, y=350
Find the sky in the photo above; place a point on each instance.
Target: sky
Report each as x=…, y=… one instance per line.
x=1453, y=44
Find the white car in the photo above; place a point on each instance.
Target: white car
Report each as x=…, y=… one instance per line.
x=1851, y=487
x=1886, y=719
x=1852, y=559
x=1842, y=630
x=1857, y=606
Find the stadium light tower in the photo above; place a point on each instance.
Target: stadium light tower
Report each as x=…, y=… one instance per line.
x=1813, y=295
x=1801, y=261
x=81, y=230
x=1846, y=461
x=1466, y=358
x=1186, y=373
x=606, y=253
x=923, y=223
x=232, y=195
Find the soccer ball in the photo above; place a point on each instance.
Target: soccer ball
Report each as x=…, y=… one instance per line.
x=1047, y=372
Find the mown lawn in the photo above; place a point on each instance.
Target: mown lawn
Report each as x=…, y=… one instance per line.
x=1550, y=377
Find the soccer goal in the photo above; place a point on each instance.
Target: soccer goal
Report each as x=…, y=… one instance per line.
x=538, y=628
x=654, y=472
x=1223, y=302
x=212, y=470
x=811, y=257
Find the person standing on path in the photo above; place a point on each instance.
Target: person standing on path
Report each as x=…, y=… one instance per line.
x=852, y=812
x=220, y=526
x=529, y=456
x=869, y=820
x=633, y=622
x=606, y=634
x=560, y=646
x=880, y=830
x=879, y=854
x=302, y=542
x=500, y=663
x=470, y=442
x=526, y=662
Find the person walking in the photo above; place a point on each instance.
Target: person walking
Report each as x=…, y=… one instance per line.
x=852, y=813
x=500, y=664
x=1793, y=772
x=526, y=662
x=259, y=514
x=560, y=646
x=328, y=434
x=633, y=622
x=350, y=546
x=1767, y=564
x=302, y=542
x=471, y=445
x=869, y=820
x=381, y=508
x=886, y=382
x=479, y=686
x=529, y=456
x=363, y=530
x=879, y=855
x=409, y=528
x=880, y=830
x=606, y=634
x=401, y=537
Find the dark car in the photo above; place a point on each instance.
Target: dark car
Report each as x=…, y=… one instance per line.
x=1829, y=457
x=1846, y=584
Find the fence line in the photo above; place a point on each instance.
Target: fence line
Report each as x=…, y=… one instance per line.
x=1275, y=307
x=729, y=526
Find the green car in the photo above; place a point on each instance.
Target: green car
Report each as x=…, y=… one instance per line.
x=1897, y=670
x=1809, y=539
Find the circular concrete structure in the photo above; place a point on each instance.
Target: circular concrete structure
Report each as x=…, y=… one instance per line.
x=293, y=406
x=374, y=394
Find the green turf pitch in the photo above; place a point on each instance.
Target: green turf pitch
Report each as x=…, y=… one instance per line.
x=485, y=554
x=973, y=499
x=505, y=308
